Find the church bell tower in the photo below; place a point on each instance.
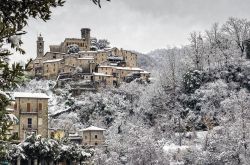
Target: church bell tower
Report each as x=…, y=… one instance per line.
x=40, y=46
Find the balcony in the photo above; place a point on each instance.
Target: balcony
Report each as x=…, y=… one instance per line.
x=32, y=111
x=29, y=127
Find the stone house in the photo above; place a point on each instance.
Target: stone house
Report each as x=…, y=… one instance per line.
x=102, y=79
x=93, y=136
x=31, y=110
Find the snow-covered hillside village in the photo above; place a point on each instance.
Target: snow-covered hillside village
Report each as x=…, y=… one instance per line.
x=70, y=97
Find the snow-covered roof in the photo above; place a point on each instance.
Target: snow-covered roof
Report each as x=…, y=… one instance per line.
x=89, y=51
x=30, y=95
x=145, y=72
x=86, y=58
x=93, y=128
x=73, y=134
x=105, y=66
x=51, y=61
x=115, y=58
x=129, y=68
x=101, y=74
x=108, y=48
x=113, y=64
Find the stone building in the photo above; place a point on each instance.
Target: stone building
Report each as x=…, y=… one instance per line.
x=31, y=110
x=93, y=136
x=59, y=62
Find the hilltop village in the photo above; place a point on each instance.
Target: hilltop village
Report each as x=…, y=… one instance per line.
x=73, y=61
x=78, y=59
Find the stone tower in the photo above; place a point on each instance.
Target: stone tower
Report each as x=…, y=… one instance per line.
x=85, y=33
x=40, y=46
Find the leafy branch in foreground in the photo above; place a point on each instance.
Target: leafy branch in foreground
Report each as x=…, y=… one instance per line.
x=98, y=2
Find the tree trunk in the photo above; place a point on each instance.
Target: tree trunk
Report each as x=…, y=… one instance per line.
x=206, y=141
x=40, y=162
x=18, y=161
x=35, y=162
x=180, y=136
x=244, y=131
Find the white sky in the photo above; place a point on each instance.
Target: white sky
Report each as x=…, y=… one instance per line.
x=141, y=25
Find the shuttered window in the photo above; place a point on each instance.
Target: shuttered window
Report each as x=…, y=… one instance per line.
x=28, y=107
x=40, y=106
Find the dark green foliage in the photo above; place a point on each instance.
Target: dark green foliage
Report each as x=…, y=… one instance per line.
x=35, y=147
x=192, y=80
x=4, y=102
x=10, y=76
x=247, y=44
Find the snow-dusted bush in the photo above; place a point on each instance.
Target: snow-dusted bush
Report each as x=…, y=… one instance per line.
x=74, y=48
x=35, y=147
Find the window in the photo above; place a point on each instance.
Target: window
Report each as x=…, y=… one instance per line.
x=29, y=122
x=52, y=135
x=40, y=106
x=86, y=137
x=96, y=144
x=15, y=136
x=15, y=106
x=28, y=107
x=95, y=136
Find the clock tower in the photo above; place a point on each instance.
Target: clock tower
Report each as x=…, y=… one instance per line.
x=40, y=46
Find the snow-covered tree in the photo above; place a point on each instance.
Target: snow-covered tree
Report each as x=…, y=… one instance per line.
x=237, y=30
x=102, y=44
x=74, y=48
x=197, y=50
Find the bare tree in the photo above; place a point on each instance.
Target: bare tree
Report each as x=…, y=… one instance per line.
x=197, y=47
x=218, y=45
x=237, y=30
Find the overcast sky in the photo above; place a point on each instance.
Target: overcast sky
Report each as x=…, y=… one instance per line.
x=141, y=25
